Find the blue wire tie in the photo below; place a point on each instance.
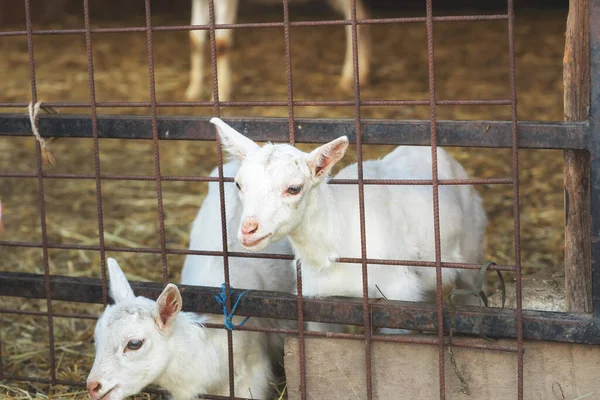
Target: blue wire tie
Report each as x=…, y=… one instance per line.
x=222, y=300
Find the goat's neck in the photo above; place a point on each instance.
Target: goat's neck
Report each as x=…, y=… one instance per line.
x=316, y=239
x=188, y=372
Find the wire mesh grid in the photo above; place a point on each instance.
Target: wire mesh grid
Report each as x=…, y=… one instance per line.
x=367, y=307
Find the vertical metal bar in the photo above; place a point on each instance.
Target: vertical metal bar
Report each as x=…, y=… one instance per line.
x=288, y=71
x=516, y=210
x=302, y=346
x=217, y=109
x=436, y=203
x=361, y=202
x=594, y=21
x=88, y=45
x=291, y=127
x=155, y=145
x=41, y=197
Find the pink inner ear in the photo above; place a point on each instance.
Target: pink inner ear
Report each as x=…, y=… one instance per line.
x=320, y=167
x=168, y=308
x=327, y=157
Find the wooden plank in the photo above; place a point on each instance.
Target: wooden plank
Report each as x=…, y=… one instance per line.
x=335, y=369
x=576, y=80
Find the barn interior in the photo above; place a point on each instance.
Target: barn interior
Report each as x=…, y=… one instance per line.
x=471, y=62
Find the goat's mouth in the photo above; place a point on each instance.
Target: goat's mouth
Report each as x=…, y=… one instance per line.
x=254, y=243
x=107, y=392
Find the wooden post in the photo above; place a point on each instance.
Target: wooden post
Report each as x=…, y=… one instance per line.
x=576, y=80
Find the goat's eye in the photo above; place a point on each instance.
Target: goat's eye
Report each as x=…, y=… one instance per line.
x=293, y=190
x=238, y=186
x=134, y=344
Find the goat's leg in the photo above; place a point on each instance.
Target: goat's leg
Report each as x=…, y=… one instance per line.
x=225, y=13
x=197, y=39
x=364, y=45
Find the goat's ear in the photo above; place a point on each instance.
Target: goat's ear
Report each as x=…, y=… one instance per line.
x=234, y=142
x=120, y=289
x=168, y=306
x=323, y=158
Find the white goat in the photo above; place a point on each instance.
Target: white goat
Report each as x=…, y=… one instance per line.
x=226, y=12
x=140, y=342
x=176, y=352
x=283, y=192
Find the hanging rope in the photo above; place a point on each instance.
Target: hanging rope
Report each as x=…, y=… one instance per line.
x=34, y=109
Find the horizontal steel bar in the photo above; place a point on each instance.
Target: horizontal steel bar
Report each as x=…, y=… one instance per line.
x=538, y=325
x=540, y=135
x=386, y=182
x=351, y=336
x=370, y=21
x=150, y=250
x=266, y=103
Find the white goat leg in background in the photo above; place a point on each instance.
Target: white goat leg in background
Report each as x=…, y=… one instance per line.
x=284, y=193
x=226, y=13
x=364, y=45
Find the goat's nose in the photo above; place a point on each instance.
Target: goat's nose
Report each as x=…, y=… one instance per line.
x=93, y=388
x=249, y=227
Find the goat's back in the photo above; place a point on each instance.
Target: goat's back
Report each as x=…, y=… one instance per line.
x=404, y=213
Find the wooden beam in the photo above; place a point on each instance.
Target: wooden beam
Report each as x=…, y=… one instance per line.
x=576, y=80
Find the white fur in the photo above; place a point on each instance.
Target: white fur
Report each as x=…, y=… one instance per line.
x=322, y=222
x=182, y=356
x=188, y=359
x=226, y=13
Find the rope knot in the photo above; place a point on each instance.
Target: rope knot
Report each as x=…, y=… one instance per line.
x=222, y=300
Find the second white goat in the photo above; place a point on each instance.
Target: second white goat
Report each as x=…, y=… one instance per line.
x=141, y=342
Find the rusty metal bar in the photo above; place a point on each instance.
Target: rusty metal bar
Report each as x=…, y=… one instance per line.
x=155, y=145
x=439, y=298
x=270, y=103
x=217, y=112
x=41, y=197
x=361, y=204
x=292, y=141
x=386, y=182
x=532, y=135
x=537, y=325
x=350, y=336
x=94, y=122
x=150, y=250
x=176, y=28
x=516, y=208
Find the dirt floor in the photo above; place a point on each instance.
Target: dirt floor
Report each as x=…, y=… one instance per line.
x=471, y=63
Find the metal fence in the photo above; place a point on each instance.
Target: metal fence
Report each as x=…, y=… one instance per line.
x=578, y=136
